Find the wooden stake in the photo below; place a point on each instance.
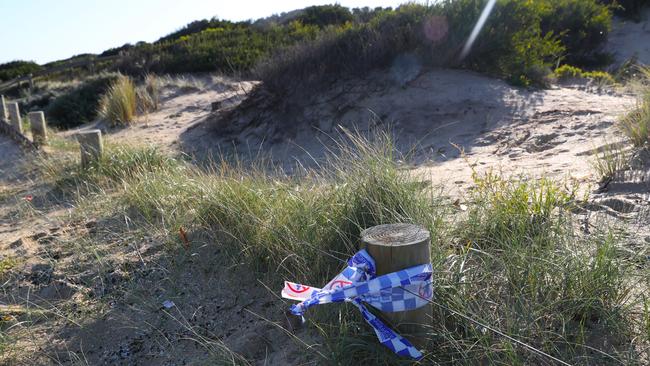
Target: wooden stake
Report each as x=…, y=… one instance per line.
x=39, y=128
x=14, y=117
x=91, y=146
x=395, y=247
x=3, y=109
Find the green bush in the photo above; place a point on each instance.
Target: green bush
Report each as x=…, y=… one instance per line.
x=568, y=72
x=14, y=69
x=627, y=8
x=213, y=46
x=513, y=44
x=79, y=105
x=325, y=15
x=600, y=77
x=521, y=41
x=582, y=27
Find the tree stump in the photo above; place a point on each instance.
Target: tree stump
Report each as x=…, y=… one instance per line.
x=39, y=128
x=395, y=247
x=91, y=146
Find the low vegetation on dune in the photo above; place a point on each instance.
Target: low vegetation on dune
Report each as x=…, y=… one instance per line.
x=80, y=104
x=513, y=267
x=522, y=42
x=636, y=124
x=14, y=69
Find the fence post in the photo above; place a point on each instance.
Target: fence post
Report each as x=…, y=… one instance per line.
x=90, y=143
x=14, y=116
x=3, y=109
x=395, y=247
x=39, y=127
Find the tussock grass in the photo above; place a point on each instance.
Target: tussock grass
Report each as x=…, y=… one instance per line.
x=636, y=124
x=119, y=104
x=513, y=261
x=183, y=82
x=609, y=160
x=148, y=94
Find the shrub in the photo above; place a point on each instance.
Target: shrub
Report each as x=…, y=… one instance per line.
x=568, y=72
x=79, y=105
x=14, y=69
x=600, y=77
x=521, y=41
x=582, y=27
x=324, y=15
x=119, y=104
x=627, y=8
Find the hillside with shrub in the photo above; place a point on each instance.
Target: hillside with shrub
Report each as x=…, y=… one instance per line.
x=522, y=42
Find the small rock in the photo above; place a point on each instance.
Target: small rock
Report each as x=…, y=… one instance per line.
x=215, y=106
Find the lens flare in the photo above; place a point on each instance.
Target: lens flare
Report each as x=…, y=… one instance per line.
x=477, y=28
x=436, y=28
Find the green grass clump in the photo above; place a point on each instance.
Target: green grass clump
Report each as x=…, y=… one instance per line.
x=117, y=164
x=610, y=160
x=119, y=104
x=148, y=94
x=636, y=123
x=519, y=252
x=268, y=220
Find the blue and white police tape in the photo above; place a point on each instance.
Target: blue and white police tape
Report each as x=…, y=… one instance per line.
x=403, y=290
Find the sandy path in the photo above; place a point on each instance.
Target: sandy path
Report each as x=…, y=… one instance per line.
x=11, y=176
x=179, y=111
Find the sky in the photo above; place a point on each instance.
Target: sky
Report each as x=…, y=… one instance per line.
x=50, y=30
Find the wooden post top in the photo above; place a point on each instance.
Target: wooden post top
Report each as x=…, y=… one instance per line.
x=89, y=133
x=395, y=235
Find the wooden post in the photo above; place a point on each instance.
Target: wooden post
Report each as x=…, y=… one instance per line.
x=14, y=117
x=3, y=109
x=395, y=247
x=39, y=127
x=91, y=146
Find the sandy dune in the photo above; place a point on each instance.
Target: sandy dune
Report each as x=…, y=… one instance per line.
x=449, y=123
